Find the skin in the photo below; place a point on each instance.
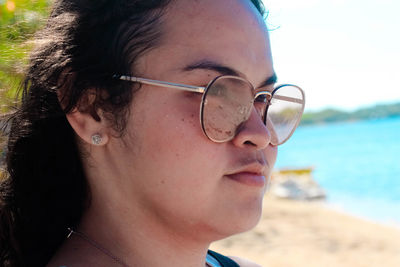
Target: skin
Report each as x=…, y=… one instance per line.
x=163, y=192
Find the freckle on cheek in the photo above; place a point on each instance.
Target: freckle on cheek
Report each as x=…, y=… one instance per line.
x=192, y=121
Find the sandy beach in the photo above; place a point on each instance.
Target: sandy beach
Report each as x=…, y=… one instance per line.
x=295, y=233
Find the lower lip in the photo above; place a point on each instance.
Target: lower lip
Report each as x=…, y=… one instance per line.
x=248, y=178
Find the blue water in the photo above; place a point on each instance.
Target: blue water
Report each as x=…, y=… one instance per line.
x=357, y=163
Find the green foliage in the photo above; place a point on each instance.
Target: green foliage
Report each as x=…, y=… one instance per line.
x=334, y=115
x=19, y=20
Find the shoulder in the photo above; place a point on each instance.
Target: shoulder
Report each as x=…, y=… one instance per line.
x=244, y=262
x=232, y=260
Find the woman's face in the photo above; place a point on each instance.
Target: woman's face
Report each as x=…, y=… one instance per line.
x=170, y=172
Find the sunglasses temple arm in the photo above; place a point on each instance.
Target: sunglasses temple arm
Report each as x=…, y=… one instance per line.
x=184, y=87
x=289, y=99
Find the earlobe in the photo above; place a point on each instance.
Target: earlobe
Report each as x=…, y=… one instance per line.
x=87, y=128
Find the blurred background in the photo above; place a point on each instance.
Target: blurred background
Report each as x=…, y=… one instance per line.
x=345, y=54
x=19, y=20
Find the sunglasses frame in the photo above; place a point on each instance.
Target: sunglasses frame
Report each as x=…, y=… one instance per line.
x=203, y=90
x=289, y=99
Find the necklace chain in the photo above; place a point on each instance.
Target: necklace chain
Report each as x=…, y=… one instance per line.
x=97, y=245
x=101, y=248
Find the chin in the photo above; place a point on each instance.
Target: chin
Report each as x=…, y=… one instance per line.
x=240, y=219
x=249, y=220
x=235, y=228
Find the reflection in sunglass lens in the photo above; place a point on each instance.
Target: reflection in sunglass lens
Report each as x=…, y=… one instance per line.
x=226, y=104
x=284, y=113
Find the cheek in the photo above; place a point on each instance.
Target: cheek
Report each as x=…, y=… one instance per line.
x=176, y=128
x=180, y=141
x=181, y=158
x=170, y=137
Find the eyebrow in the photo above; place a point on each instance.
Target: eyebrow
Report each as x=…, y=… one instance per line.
x=269, y=81
x=225, y=70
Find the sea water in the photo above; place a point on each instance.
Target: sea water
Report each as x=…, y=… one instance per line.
x=357, y=163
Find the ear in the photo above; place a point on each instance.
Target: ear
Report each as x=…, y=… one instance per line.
x=88, y=129
x=85, y=121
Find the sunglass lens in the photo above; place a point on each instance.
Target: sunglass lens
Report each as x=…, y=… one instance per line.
x=284, y=113
x=226, y=104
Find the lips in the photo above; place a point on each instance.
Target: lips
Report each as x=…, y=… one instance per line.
x=251, y=175
x=248, y=178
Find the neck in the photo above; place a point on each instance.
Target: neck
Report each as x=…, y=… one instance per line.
x=141, y=241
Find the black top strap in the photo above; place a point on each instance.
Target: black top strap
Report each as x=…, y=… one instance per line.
x=223, y=260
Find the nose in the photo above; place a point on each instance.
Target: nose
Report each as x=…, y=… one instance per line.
x=253, y=133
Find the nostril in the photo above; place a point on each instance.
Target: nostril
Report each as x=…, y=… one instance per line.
x=249, y=143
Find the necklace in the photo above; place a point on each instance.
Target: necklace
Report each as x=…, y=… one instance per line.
x=97, y=245
x=102, y=249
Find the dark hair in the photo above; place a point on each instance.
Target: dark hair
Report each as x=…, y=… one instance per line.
x=83, y=44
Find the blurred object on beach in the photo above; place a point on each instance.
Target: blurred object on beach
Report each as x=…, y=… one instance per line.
x=296, y=184
x=298, y=233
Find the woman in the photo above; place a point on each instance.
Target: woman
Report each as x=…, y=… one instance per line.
x=108, y=161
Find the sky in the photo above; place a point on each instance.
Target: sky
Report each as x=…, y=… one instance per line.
x=344, y=53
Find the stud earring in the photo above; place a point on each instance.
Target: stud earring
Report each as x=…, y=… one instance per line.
x=96, y=139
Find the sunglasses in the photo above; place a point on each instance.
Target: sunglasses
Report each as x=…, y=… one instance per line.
x=228, y=101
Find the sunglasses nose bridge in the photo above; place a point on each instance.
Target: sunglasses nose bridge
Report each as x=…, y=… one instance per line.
x=261, y=93
x=261, y=101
